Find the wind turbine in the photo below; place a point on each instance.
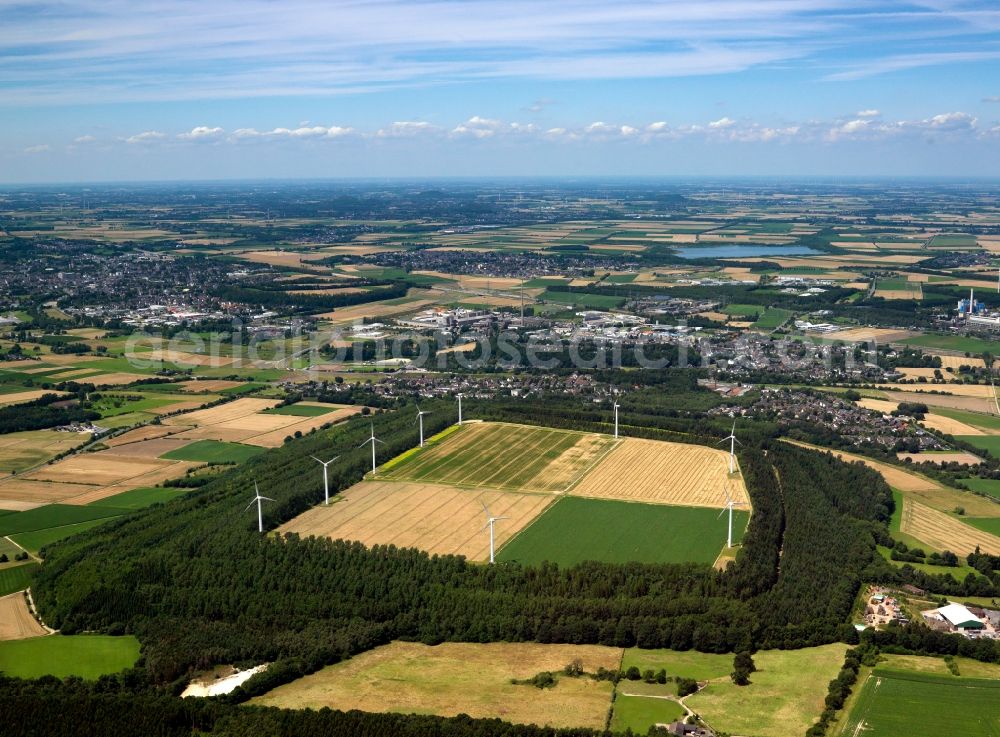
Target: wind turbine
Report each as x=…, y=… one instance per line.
x=490, y=522
x=616, y=418
x=730, y=503
x=326, y=480
x=260, y=509
x=731, y=437
x=459, y=408
x=420, y=419
x=372, y=440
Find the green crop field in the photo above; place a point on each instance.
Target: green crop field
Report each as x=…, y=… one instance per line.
x=545, y=281
x=140, y=498
x=975, y=346
x=38, y=539
x=894, y=704
x=990, y=443
x=976, y=419
x=52, y=515
x=986, y=524
x=743, y=310
x=300, y=410
x=503, y=456
x=112, y=405
x=983, y=486
x=584, y=299
x=575, y=529
x=686, y=663
x=214, y=451
x=772, y=318
x=16, y=578
x=86, y=656
x=639, y=713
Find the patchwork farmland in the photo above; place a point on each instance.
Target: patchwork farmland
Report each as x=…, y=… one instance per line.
x=944, y=532
x=564, y=497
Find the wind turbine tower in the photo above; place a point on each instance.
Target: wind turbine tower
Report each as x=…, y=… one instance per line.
x=459, y=409
x=420, y=419
x=326, y=478
x=616, y=418
x=372, y=440
x=732, y=447
x=258, y=499
x=490, y=522
x=730, y=503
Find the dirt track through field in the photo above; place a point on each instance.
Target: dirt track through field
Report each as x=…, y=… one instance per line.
x=439, y=519
x=664, y=473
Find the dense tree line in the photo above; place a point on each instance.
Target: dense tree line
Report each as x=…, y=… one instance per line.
x=41, y=414
x=286, y=301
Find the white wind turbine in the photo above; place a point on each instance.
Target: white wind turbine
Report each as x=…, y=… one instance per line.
x=616, y=417
x=372, y=440
x=731, y=437
x=730, y=503
x=326, y=479
x=420, y=419
x=490, y=522
x=459, y=409
x=260, y=509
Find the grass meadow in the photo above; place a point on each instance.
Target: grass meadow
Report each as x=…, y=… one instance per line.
x=86, y=656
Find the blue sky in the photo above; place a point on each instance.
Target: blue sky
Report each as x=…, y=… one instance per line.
x=118, y=90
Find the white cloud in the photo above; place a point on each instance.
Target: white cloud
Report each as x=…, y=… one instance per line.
x=202, y=133
x=722, y=123
x=146, y=137
x=84, y=139
x=868, y=113
x=406, y=129
x=39, y=149
x=992, y=98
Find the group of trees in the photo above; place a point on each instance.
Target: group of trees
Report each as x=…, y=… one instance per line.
x=41, y=414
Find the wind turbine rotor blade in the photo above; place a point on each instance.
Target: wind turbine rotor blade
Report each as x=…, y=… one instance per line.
x=250, y=504
x=721, y=513
x=722, y=441
x=267, y=499
x=497, y=519
x=378, y=441
x=737, y=441
x=317, y=460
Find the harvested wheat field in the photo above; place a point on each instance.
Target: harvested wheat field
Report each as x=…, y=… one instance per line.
x=440, y=519
x=348, y=315
x=28, y=396
x=663, y=473
x=940, y=423
x=305, y=424
x=209, y=385
x=97, y=469
x=19, y=494
x=878, y=405
x=984, y=405
x=152, y=448
x=223, y=412
x=16, y=622
x=505, y=456
x=461, y=678
x=879, y=335
x=945, y=532
x=146, y=432
x=962, y=457
x=115, y=379
x=954, y=362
